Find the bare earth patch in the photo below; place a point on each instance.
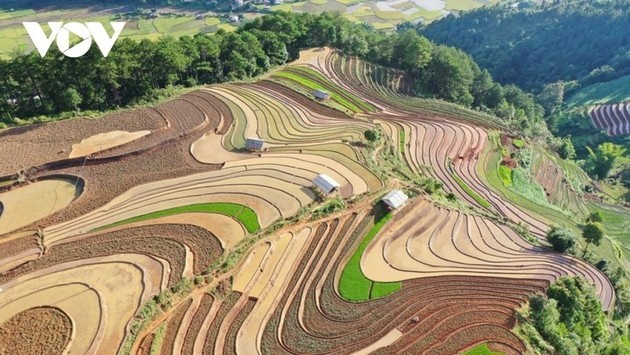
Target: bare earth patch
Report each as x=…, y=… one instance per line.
x=30, y=203
x=103, y=141
x=208, y=149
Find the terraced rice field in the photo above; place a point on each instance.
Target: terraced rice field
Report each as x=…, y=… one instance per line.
x=562, y=182
x=182, y=241
x=613, y=119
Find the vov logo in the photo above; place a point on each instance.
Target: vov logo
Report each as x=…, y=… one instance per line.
x=61, y=32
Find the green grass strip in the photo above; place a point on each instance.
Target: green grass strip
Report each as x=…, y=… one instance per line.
x=353, y=285
x=402, y=143
x=518, y=143
x=241, y=213
x=322, y=80
x=480, y=200
x=316, y=86
x=505, y=173
x=382, y=289
x=156, y=345
x=481, y=349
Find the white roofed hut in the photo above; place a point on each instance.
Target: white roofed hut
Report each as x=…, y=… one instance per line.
x=321, y=95
x=395, y=199
x=254, y=144
x=325, y=184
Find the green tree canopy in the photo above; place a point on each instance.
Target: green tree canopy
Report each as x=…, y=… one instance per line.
x=372, y=135
x=560, y=238
x=568, y=319
x=593, y=233
x=601, y=161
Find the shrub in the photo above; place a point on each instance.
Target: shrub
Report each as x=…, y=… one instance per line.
x=331, y=206
x=595, y=217
x=372, y=135
x=560, y=238
x=505, y=173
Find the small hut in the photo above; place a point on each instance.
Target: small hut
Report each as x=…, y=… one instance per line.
x=395, y=199
x=254, y=144
x=325, y=184
x=321, y=95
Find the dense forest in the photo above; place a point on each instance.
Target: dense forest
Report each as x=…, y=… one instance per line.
x=568, y=319
x=31, y=86
x=532, y=45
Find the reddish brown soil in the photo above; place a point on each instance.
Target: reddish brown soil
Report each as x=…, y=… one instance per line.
x=453, y=312
x=165, y=241
x=196, y=323
x=173, y=326
x=145, y=346
x=17, y=246
x=35, y=144
x=229, y=347
x=213, y=332
x=43, y=330
x=109, y=176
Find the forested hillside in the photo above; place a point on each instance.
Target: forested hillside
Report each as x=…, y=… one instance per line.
x=134, y=71
x=534, y=45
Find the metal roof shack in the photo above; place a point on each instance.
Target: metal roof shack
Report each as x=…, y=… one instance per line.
x=395, y=199
x=254, y=144
x=325, y=183
x=321, y=95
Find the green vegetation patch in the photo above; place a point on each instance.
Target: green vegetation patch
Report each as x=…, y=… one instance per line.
x=617, y=90
x=524, y=185
x=353, y=285
x=383, y=25
x=382, y=289
x=241, y=213
x=428, y=15
x=158, y=339
x=402, y=142
x=314, y=85
x=462, y=5
x=480, y=200
x=505, y=173
x=5, y=15
x=518, y=143
x=481, y=349
x=389, y=15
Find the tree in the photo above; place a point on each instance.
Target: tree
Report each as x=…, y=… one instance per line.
x=551, y=97
x=72, y=98
x=566, y=150
x=560, y=238
x=568, y=319
x=449, y=76
x=411, y=51
x=595, y=217
x=372, y=135
x=602, y=161
x=593, y=233
x=624, y=176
